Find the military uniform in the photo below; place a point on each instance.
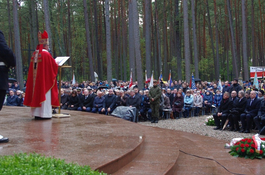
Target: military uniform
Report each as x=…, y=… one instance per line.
x=155, y=93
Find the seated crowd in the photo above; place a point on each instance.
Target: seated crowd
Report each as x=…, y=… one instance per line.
x=232, y=105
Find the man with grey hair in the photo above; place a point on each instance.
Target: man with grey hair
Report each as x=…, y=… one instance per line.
x=239, y=106
x=133, y=100
x=251, y=110
x=223, y=111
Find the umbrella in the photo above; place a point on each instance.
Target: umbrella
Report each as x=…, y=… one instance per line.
x=12, y=80
x=114, y=79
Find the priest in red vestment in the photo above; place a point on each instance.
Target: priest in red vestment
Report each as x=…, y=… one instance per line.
x=41, y=89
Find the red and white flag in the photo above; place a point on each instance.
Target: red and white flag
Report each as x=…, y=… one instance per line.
x=131, y=81
x=151, y=81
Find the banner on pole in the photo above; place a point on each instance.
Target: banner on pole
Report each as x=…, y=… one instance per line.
x=260, y=72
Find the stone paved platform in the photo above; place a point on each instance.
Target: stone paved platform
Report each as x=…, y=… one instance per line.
x=117, y=146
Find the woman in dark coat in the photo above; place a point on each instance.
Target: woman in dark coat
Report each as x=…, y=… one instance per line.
x=73, y=101
x=178, y=104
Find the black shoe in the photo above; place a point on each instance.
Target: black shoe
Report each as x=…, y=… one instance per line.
x=4, y=140
x=217, y=128
x=153, y=121
x=232, y=129
x=156, y=121
x=246, y=131
x=54, y=112
x=241, y=131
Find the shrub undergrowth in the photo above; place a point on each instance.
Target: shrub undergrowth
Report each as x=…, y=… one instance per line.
x=35, y=164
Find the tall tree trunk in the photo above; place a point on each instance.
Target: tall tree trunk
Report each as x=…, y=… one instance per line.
x=178, y=43
x=148, y=37
x=47, y=23
x=19, y=67
x=115, y=40
x=131, y=39
x=9, y=26
x=123, y=28
x=165, y=44
x=69, y=33
x=216, y=43
x=211, y=36
x=196, y=61
x=235, y=67
x=96, y=40
x=253, y=33
x=244, y=34
x=137, y=44
x=186, y=40
x=159, y=59
x=34, y=23
x=108, y=42
x=89, y=51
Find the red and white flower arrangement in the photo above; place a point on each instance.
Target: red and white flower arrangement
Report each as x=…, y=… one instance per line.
x=249, y=148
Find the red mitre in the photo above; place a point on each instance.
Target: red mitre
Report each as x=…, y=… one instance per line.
x=43, y=39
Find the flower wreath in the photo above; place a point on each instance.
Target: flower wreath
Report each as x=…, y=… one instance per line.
x=249, y=148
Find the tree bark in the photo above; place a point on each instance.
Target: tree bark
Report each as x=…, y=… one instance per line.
x=196, y=61
x=178, y=41
x=137, y=45
x=9, y=26
x=123, y=28
x=34, y=23
x=211, y=36
x=47, y=23
x=165, y=44
x=159, y=59
x=148, y=37
x=108, y=42
x=186, y=40
x=131, y=39
x=89, y=51
x=253, y=33
x=244, y=34
x=217, y=72
x=96, y=40
x=235, y=67
x=19, y=67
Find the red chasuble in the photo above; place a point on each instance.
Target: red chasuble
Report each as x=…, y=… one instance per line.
x=41, y=78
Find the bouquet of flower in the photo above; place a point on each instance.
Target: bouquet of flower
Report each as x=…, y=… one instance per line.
x=209, y=121
x=248, y=148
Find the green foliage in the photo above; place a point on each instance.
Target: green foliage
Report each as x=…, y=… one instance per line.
x=60, y=34
x=35, y=164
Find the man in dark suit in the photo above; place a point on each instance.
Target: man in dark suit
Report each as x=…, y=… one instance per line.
x=235, y=86
x=109, y=103
x=133, y=100
x=7, y=60
x=172, y=96
x=64, y=99
x=239, y=106
x=253, y=105
x=226, y=88
x=260, y=118
x=223, y=111
x=12, y=99
x=85, y=102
